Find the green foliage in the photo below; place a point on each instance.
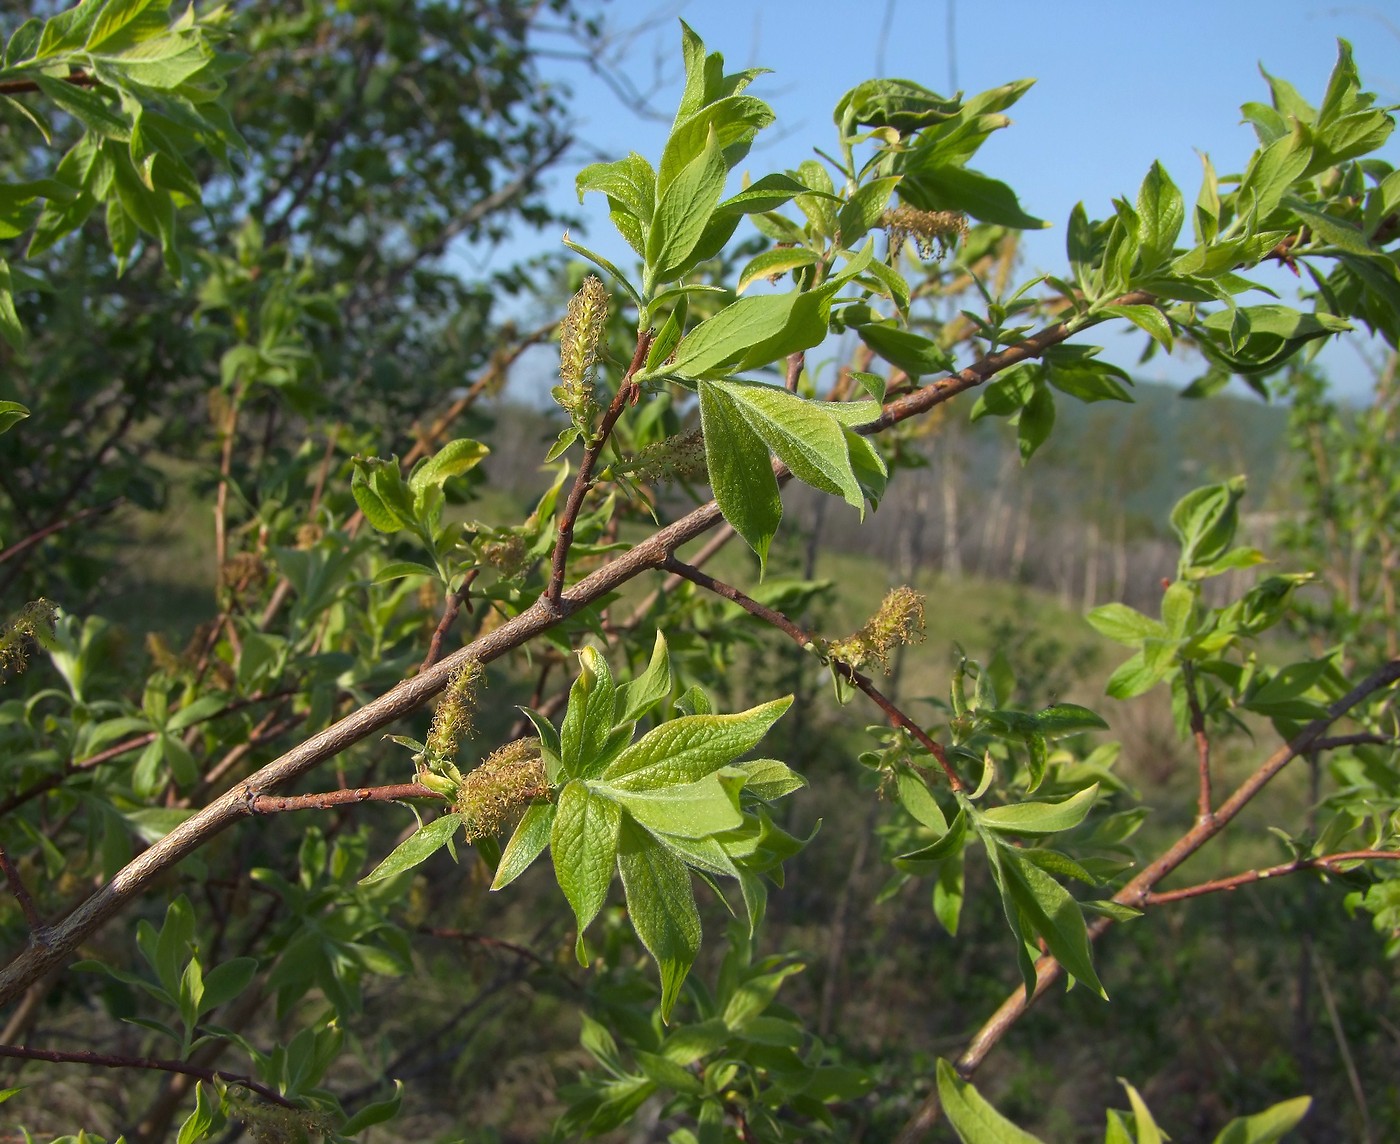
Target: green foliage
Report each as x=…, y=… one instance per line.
x=285, y=276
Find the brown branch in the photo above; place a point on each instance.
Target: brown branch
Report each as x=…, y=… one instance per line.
x=398, y=792
x=107, y=1061
x=451, y=606
x=807, y=642
x=21, y=893
x=1360, y=739
x=58, y=526
x=26, y=86
x=626, y=392
x=795, y=362
x=1327, y=863
x=468, y=938
x=133, y=879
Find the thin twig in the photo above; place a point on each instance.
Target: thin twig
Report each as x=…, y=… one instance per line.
x=1201, y=738
x=806, y=641
x=397, y=792
x=58, y=526
x=21, y=893
x=1327, y=862
x=451, y=606
x=108, y=1061
x=626, y=392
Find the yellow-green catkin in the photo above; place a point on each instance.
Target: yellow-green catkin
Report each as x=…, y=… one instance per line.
x=678, y=458
x=932, y=232
x=900, y=620
x=453, y=717
x=579, y=338
x=34, y=624
x=508, y=780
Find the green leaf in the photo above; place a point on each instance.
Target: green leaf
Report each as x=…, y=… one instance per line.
x=686, y=810
x=1123, y=624
x=1160, y=212
x=452, y=460
x=741, y=474
x=87, y=107
x=588, y=722
x=583, y=842
x=805, y=435
x=1062, y=719
x=1147, y=318
x=1145, y=1128
x=661, y=904
x=915, y=797
x=1205, y=520
x=691, y=747
x=1052, y=912
x=769, y=779
x=11, y=413
x=974, y=1120
x=683, y=212
x=1037, y=420
x=636, y=698
x=773, y=263
x=963, y=189
x=1268, y=1126
x=372, y=1114
x=914, y=354
x=531, y=836
x=950, y=844
x=863, y=209
x=1033, y=819
x=416, y=848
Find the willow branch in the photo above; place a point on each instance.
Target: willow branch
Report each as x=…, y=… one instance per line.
x=21, y=893
x=107, y=1061
x=134, y=878
x=1328, y=863
x=326, y=800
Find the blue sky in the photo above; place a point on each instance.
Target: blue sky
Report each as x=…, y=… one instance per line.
x=1118, y=85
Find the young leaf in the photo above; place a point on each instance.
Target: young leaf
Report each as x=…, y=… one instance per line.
x=661, y=904
x=583, y=842
x=974, y=1120
x=526, y=844
x=741, y=474
x=1266, y=1127
x=686, y=810
x=1039, y=818
x=637, y=697
x=687, y=749
x=416, y=848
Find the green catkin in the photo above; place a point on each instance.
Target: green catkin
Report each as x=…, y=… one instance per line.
x=579, y=338
x=506, y=781
x=453, y=717
x=900, y=620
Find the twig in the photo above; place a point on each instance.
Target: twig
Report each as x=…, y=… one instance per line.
x=26, y=86
x=58, y=526
x=626, y=392
x=107, y=1061
x=806, y=641
x=21, y=893
x=451, y=606
x=1327, y=862
x=795, y=362
x=1201, y=738
x=397, y=792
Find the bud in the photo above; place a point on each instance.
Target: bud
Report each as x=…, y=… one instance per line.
x=900, y=620
x=932, y=231
x=579, y=337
